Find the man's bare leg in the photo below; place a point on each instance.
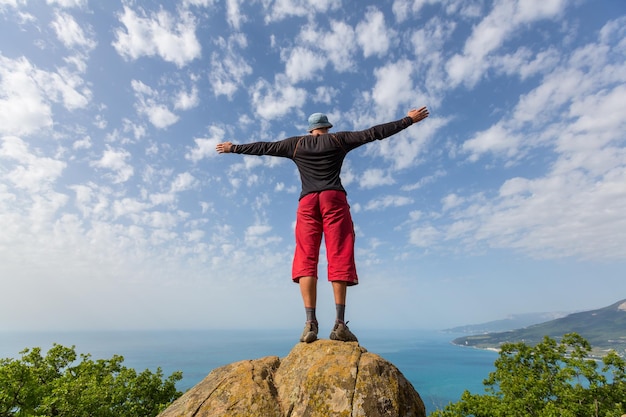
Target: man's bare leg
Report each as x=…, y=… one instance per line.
x=341, y=331
x=340, y=290
x=308, y=289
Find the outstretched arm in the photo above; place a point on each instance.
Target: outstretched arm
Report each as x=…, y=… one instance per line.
x=352, y=140
x=224, y=147
x=282, y=148
x=418, y=115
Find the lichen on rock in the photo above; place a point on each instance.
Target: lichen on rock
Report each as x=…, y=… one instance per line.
x=325, y=378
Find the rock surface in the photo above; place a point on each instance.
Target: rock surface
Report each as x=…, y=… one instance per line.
x=320, y=379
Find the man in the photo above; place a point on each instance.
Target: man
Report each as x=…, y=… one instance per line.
x=323, y=208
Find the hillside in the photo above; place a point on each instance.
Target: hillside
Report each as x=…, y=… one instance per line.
x=512, y=322
x=604, y=328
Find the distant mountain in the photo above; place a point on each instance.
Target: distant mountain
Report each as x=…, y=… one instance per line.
x=512, y=322
x=604, y=328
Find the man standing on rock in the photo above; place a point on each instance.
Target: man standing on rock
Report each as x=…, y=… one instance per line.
x=323, y=208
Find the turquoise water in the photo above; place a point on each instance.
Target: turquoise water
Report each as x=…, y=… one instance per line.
x=438, y=370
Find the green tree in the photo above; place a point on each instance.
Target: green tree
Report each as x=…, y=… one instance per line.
x=551, y=379
x=55, y=385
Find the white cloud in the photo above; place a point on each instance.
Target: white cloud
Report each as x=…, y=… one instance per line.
x=27, y=94
x=405, y=149
x=128, y=206
x=65, y=87
x=24, y=107
x=274, y=101
x=70, y=33
x=159, y=115
x=492, y=32
x=325, y=94
x=424, y=236
x=171, y=38
x=99, y=201
x=431, y=43
x=553, y=112
x=11, y=3
x=372, y=34
x=27, y=170
x=466, y=9
x=162, y=221
x=528, y=11
x=375, y=177
x=195, y=235
x=164, y=198
x=466, y=69
x=68, y=3
x=302, y=64
x=115, y=160
x=148, y=105
x=256, y=236
x=338, y=43
x=199, y=3
x=598, y=121
x=234, y=16
x=394, y=87
x=138, y=130
x=387, y=201
x=497, y=139
x=571, y=210
x=428, y=41
x=183, y=182
x=524, y=64
x=84, y=143
x=588, y=212
x=277, y=10
x=451, y=201
x=187, y=100
x=280, y=187
x=424, y=181
x=228, y=68
x=613, y=32
x=205, y=147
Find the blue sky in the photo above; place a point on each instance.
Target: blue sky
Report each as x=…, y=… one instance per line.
x=117, y=213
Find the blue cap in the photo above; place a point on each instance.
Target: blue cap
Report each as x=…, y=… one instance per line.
x=317, y=121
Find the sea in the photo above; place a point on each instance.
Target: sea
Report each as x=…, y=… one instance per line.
x=438, y=370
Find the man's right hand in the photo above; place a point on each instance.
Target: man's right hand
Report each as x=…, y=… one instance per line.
x=418, y=115
x=224, y=147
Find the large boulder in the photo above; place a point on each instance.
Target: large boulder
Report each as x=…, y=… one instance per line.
x=320, y=379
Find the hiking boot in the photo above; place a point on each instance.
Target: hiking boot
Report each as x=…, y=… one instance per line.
x=309, y=334
x=342, y=333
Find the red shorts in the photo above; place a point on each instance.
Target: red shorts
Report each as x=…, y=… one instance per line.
x=327, y=213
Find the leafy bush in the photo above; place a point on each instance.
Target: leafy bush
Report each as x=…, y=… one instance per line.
x=551, y=379
x=55, y=386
